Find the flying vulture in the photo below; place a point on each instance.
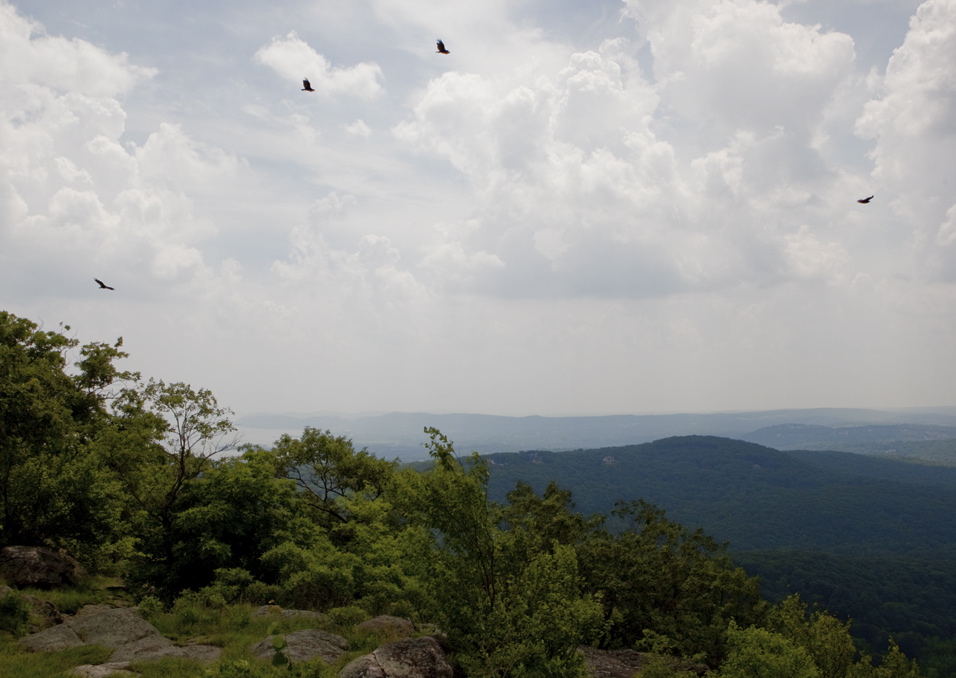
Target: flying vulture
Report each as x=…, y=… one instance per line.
x=103, y=285
x=306, y=87
x=441, y=47
x=865, y=200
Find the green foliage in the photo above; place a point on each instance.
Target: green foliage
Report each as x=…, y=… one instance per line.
x=128, y=475
x=504, y=615
x=823, y=636
x=165, y=437
x=92, y=590
x=328, y=470
x=667, y=588
x=23, y=664
x=665, y=667
x=14, y=613
x=758, y=653
x=52, y=489
x=914, y=601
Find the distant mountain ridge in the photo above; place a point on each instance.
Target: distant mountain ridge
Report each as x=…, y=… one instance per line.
x=758, y=498
x=400, y=433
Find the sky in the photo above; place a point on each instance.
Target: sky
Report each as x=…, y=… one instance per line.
x=586, y=208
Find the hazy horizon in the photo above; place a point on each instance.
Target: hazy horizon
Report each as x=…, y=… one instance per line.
x=621, y=206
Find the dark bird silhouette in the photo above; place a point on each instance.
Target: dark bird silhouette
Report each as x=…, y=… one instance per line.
x=441, y=47
x=103, y=285
x=306, y=87
x=865, y=200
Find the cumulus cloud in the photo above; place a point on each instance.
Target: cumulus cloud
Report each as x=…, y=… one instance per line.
x=912, y=125
x=582, y=190
x=29, y=56
x=738, y=64
x=77, y=198
x=292, y=58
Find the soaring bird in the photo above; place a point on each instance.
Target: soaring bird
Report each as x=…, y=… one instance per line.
x=865, y=200
x=103, y=285
x=306, y=87
x=441, y=47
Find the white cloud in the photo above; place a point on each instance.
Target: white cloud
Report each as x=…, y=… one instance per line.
x=294, y=59
x=912, y=124
x=737, y=64
x=28, y=56
x=667, y=199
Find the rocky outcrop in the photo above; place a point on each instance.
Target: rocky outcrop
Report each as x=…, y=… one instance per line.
x=410, y=658
x=626, y=663
x=302, y=646
x=130, y=636
x=38, y=566
x=387, y=625
x=612, y=663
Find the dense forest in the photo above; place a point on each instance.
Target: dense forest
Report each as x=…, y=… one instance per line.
x=143, y=480
x=867, y=538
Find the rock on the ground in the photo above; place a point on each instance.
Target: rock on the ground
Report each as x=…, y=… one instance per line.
x=267, y=610
x=153, y=649
x=102, y=670
x=410, y=658
x=388, y=625
x=38, y=566
x=53, y=639
x=625, y=663
x=130, y=637
x=303, y=646
x=112, y=627
x=612, y=663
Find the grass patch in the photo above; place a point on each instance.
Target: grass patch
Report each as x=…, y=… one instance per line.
x=93, y=590
x=15, y=661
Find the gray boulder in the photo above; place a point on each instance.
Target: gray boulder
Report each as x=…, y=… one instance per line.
x=38, y=566
x=53, y=639
x=304, y=645
x=410, y=658
x=111, y=627
x=387, y=625
x=153, y=649
x=130, y=636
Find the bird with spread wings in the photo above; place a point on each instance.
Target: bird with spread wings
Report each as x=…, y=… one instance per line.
x=103, y=285
x=306, y=86
x=441, y=47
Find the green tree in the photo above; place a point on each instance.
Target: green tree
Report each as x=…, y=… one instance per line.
x=164, y=437
x=327, y=470
x=504, y=615
x=230, y=516
x=758, y=653
x=52, y=489
x=823, y=636
x=665, y=588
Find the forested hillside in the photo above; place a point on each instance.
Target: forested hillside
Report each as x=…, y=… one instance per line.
x=141, y=480
x=867, y=538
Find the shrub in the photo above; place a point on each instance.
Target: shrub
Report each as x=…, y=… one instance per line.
x=14, y=614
